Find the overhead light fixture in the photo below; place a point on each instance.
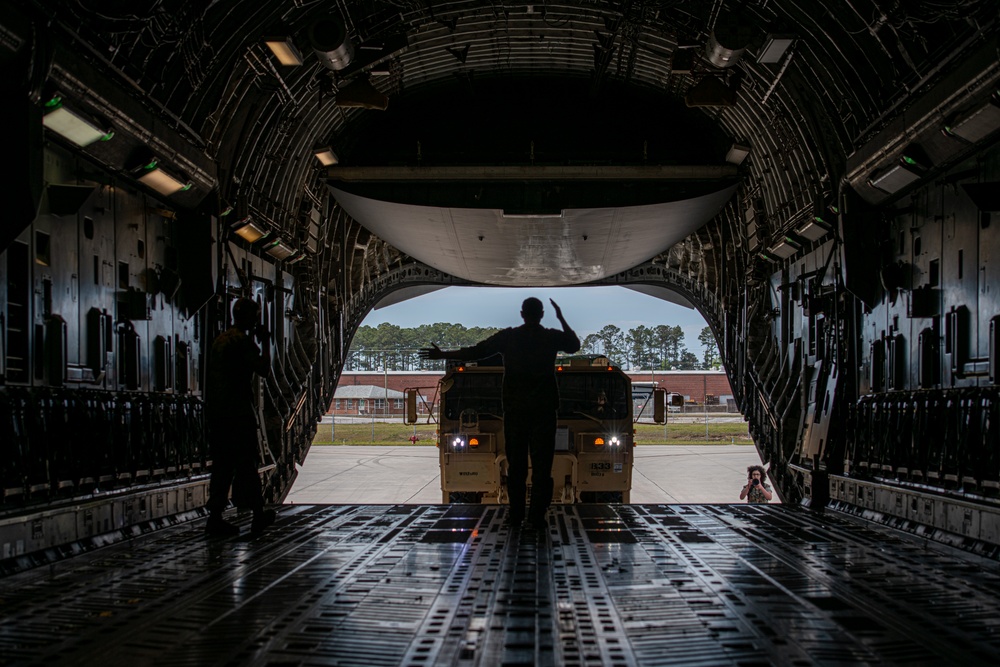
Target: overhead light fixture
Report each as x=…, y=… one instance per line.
x=774, y=48
x=249, y=230
x=361, y=94
x=152, y=176
x=898, y=176
x=768, y=257
x=978, y=124
x=326, y=156
x=814, y=229
x=279, y=250
x=784, y=248
x=737, y=153
x=71, y=125
x=331, y=43
x=823, y=221
x=284, y=50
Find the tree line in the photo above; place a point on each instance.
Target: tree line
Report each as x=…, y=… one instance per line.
x=395, y=348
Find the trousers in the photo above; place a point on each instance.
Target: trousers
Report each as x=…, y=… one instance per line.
x=529, y=433
x=233, y=444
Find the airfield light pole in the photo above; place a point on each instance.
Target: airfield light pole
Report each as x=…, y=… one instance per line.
x=704, y=381
x=666, y=408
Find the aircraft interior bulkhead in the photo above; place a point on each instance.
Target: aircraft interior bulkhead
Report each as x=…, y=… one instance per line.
x=817, y=179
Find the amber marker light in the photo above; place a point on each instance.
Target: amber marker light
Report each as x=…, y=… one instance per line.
x=599, y=442
x=473, y=442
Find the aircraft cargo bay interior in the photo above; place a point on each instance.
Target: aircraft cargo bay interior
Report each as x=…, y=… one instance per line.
x=205, y=201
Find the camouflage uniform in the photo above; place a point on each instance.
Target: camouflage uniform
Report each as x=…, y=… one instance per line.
x=755, y=495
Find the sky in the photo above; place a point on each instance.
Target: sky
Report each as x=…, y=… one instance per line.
x=586, y=309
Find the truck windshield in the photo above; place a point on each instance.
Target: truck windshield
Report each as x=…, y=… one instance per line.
x=473, y=391
x=599, y=395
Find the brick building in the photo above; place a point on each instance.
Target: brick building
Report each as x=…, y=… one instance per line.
x=367, y=399
x=693, y=385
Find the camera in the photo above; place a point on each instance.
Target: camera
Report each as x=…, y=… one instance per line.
x=755, y=482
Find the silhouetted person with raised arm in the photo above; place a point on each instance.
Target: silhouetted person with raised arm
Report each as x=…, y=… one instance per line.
x=530, y=401
x=232, y=419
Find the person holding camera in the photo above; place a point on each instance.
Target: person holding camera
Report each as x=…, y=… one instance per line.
x=231, y=415
x=757, y=489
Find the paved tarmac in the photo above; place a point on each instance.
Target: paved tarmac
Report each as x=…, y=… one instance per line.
x=356, y=475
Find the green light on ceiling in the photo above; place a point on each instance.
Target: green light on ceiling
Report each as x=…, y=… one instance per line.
x=54, y=103
x=908, y=160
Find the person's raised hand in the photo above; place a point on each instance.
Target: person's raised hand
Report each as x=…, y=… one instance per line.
x=556, y=307
x=432, y=352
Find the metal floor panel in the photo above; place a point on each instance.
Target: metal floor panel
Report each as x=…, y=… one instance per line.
x=437, y=585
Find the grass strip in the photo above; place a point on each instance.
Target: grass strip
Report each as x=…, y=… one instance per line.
x=399, y=435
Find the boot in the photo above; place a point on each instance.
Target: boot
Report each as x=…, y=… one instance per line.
x=516, y=496
x=262, y=519
x=541, y=498
x=219, y=527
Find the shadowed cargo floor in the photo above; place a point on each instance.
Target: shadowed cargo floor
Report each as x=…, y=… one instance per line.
x=430, y=584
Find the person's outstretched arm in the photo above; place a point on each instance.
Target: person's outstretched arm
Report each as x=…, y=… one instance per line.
x=434, y=352
x=571, y=342
x=480, y=350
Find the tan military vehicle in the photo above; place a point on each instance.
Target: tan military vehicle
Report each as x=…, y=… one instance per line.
x=594, y=436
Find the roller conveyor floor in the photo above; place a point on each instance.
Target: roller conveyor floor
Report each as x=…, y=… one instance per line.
x=452, y=585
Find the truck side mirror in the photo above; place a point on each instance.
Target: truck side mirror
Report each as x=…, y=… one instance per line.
x=659, y=405
x=411, y=405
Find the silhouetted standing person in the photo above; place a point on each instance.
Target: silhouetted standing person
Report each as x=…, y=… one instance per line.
x=232, y=419
x=530, y=401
